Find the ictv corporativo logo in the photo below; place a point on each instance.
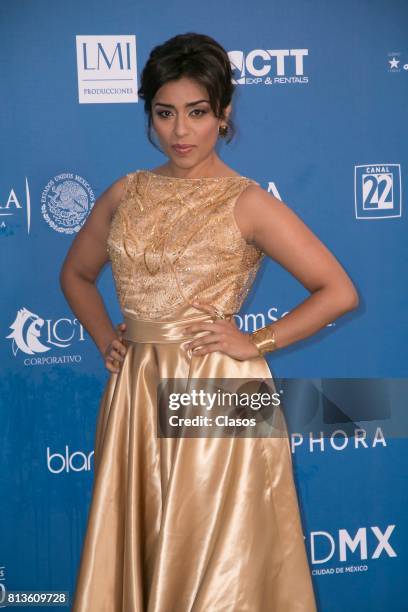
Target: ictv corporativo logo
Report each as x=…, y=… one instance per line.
x=36, y=337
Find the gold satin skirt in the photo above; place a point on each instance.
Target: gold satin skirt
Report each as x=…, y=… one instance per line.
x=183, y=524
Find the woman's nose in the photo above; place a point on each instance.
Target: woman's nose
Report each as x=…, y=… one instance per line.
x=180, y=127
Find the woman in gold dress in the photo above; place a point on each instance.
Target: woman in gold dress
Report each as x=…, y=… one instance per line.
x=191, y=524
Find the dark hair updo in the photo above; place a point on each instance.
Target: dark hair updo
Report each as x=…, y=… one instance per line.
x=195, y=56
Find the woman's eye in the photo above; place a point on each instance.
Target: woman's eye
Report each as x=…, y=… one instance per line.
x=197, y=112
x=161, y=113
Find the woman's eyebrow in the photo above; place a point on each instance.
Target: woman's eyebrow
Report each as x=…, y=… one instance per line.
x=188, y=103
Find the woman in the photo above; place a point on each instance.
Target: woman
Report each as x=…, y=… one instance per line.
x=191, y=523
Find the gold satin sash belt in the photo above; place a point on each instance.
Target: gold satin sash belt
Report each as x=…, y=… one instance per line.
x=145, y=330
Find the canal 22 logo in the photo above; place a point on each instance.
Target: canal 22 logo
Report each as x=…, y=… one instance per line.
x=377, y=191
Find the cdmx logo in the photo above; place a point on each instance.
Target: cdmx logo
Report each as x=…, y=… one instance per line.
x=66, y=202
x=366, y=543
x=377, y=191
x=268, y=66
x=31, y=334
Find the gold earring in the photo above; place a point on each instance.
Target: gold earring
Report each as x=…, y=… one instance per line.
x=223, y=130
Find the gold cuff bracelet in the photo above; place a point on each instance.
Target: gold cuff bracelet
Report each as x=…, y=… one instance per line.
x=264, y=339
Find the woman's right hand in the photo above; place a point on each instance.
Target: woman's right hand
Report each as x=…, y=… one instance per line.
x=115, y=352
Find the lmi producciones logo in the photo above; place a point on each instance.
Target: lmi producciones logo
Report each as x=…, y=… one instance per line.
x=107, y=69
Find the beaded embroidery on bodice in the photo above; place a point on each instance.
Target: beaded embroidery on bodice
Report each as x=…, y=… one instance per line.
x=173, y=240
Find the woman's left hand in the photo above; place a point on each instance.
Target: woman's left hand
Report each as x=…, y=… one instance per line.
x=224, y=336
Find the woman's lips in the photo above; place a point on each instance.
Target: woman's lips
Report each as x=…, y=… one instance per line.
x=182, y=148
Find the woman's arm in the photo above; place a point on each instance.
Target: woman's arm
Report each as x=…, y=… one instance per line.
x=82, y=265
x=282, y=235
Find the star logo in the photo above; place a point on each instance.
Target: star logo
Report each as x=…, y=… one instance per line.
x=394, y=63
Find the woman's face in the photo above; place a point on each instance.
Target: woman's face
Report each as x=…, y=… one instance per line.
x=181, y=115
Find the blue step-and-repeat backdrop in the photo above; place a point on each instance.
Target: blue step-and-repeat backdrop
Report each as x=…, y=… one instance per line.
x=321, y=113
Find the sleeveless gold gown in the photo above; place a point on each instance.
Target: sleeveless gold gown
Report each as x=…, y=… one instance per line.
x=185, y=524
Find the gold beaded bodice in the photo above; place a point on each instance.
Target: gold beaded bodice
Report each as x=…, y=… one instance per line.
x=173, y=240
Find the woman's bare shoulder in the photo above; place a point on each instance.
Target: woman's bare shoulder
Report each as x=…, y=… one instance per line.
x=254, y=200
x=254, y=205
x=120, y=185
x=110, y=199
x=255, y=195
